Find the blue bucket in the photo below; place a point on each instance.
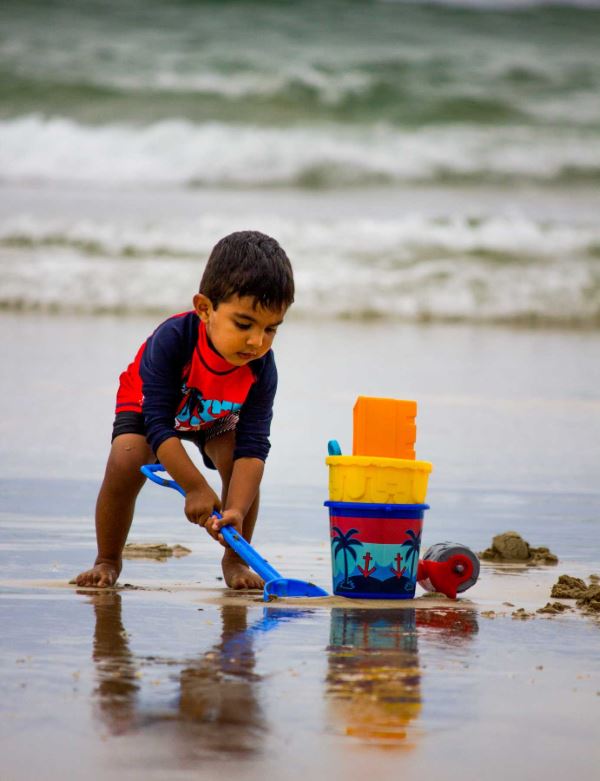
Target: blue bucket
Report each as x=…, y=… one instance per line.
x=375, y=549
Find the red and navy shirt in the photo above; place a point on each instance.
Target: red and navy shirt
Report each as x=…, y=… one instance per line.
x=180, y=383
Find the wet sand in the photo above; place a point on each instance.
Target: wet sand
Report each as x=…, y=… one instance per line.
x=501, y=588
x=172, y=676
x=163, y=679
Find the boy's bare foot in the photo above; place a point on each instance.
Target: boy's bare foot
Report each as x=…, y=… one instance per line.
x=238, y=574
x=101, y=576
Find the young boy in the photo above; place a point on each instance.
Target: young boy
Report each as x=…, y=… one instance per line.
x=207, y=375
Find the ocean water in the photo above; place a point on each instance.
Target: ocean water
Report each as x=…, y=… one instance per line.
x=418, y=161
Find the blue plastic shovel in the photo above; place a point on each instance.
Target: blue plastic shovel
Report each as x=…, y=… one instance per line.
x=275, y=584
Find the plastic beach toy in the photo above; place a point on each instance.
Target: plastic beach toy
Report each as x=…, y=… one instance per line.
x=275, y=584
x=376, y=507
x=377, y=480
x=448, y=567
x=384, y=427
x=375, y=549
x=375, y=554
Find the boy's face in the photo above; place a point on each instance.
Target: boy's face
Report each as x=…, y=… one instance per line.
x=240, y=330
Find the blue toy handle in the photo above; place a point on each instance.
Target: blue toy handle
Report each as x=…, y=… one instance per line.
x=230, y=535
x=333, y=448
x=248, y=553
x=150, y=471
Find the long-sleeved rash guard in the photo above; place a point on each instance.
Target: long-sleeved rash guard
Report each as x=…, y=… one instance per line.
x=180, y=383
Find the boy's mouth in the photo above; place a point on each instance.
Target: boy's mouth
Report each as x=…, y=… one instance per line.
x=247, y=356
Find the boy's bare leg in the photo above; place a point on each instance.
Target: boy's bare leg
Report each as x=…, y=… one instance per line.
x=115, y=506
x=236, y=572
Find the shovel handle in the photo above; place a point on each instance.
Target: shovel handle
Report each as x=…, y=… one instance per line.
x=233, y=538
x=151, y=472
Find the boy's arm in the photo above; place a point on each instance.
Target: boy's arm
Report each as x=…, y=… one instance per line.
x=166, y=354
x=250, y=452
x=243, y=489
x=254, y=426
x=200, y=499
x=161, y=366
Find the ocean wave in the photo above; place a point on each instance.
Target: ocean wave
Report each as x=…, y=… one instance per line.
x=415, y=268
x=399, y=88
x=34, y=149
x=406, y=64
x=393, y=243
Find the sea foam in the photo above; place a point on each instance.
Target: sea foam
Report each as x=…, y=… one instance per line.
x=509, y=269
x=177, y=152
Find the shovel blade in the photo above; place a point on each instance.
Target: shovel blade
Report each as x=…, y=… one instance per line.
x=289, y=587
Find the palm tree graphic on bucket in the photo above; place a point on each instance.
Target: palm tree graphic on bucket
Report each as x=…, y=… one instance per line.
x=343, y=543
x=412, y=544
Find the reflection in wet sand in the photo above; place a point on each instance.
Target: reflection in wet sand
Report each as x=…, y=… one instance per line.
x=450, y=627
x=216, y=708
x=373, y=680
x=118, y=687
x=211, y=703
x=374, y=676
x=218, y=691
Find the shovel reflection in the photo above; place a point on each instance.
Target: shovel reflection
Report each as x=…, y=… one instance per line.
x=215, y=706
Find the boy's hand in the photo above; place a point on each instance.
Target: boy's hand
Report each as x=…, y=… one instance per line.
x=200, y=504
x=230, y=517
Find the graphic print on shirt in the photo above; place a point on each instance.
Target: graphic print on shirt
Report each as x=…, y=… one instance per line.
x=196, y=412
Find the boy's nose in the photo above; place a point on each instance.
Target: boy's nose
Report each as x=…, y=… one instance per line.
x=255, y=339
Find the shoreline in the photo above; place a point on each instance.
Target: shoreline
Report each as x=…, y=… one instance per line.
x=502, y=589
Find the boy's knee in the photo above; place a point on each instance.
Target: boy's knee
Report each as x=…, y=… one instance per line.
x=128, y=453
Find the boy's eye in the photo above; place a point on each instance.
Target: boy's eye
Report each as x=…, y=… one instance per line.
x=242, y=326
x=271, y=329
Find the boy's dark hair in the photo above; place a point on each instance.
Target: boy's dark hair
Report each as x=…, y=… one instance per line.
x=249, y=263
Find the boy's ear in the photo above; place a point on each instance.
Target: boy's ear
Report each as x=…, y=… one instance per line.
x=202, y=306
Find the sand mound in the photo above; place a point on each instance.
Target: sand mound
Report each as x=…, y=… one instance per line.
x=590, y=601
x=510, y=546
x=553, y=608
x=588, y=597
x=568, y=587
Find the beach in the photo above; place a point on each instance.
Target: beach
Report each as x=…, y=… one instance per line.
x=174, y=675
x=431, y=170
